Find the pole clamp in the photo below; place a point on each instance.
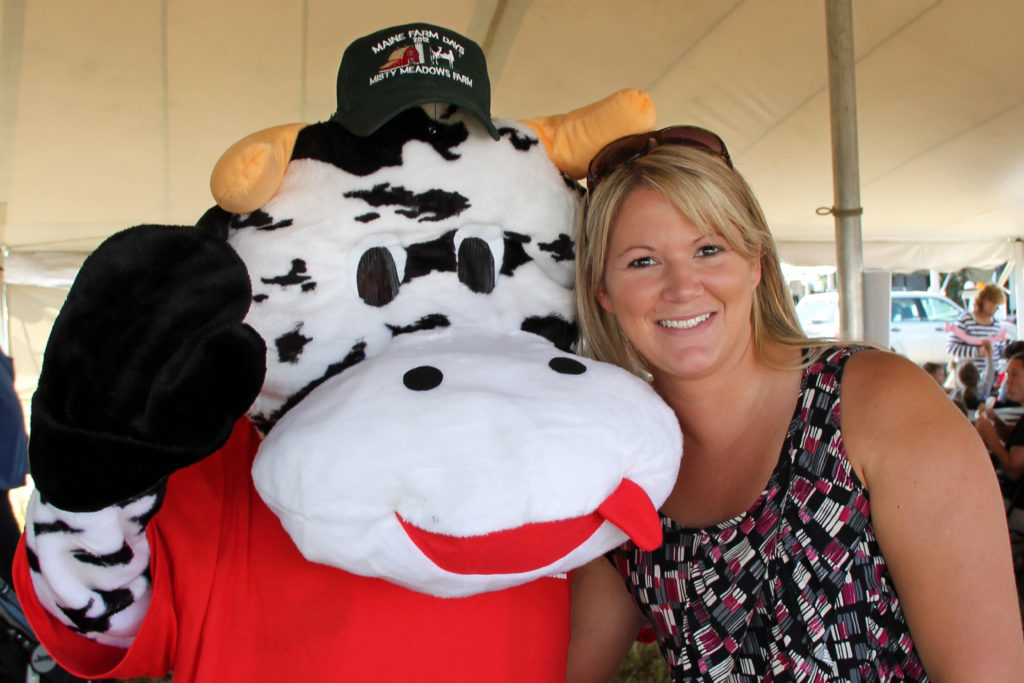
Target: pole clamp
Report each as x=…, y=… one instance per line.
x=839, y=213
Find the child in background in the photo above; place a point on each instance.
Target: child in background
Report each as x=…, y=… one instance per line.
x=972, y=388
x=938, y=371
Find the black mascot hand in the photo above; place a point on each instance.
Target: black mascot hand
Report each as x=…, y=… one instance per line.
x=147, y=367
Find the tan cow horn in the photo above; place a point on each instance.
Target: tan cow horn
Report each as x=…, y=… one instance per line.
x=248, y=174
x=573, y=138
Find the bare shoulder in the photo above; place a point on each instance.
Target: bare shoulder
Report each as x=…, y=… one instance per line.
x=892, y=409
x=938, y=517
x=871, y=370
x=879, y=381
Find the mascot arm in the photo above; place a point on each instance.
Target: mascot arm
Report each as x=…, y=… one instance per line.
x=90, y=570
x=147, y=367
x=572, y=139
x=146, y=371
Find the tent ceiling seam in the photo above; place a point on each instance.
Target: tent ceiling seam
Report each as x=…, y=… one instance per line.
x=692, y=46
x=945, y=141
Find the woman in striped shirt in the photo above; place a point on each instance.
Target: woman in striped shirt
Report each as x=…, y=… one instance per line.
x=975, y=330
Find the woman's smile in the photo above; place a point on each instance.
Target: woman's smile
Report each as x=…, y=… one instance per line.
x=686, y=323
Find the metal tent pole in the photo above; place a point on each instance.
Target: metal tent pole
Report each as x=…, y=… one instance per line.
x=842, y=92
x=1017, y=285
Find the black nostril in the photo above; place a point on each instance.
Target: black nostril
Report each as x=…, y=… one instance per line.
x=567, y=366
x=423, y=378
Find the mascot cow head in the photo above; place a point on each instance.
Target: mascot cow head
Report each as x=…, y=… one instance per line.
x=426, y=421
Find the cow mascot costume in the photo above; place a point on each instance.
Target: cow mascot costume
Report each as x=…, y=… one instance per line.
x=336, y=430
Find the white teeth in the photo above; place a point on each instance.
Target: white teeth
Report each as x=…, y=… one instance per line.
x=685, y=324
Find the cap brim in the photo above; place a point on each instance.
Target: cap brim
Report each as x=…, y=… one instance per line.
x=366, y=119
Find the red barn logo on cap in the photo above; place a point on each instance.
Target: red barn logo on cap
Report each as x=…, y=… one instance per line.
x=403, y=56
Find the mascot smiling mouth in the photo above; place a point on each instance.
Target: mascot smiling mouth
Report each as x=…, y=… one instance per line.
x=533, y=546
x=521, y=467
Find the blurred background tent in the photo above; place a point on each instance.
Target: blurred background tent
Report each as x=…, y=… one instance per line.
x=113, y=112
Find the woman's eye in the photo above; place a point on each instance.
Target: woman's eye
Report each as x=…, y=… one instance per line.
x=641, y=262
x=710, y=250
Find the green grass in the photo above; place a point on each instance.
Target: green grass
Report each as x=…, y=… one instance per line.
x=644, y=664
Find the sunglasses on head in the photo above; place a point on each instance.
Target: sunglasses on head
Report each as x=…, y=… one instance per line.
x=626, y=149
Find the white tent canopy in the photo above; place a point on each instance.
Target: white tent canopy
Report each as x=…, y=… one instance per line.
x=113, y=112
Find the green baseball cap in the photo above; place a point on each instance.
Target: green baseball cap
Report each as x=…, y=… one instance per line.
x=401, y=67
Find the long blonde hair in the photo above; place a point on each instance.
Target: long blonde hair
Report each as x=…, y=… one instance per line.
x=718, y=200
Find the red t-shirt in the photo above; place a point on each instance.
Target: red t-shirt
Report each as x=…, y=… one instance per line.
x=233, y=600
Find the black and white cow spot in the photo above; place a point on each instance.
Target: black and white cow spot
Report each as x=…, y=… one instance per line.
x=433, y=205
x=295, y=276
x=409, y=230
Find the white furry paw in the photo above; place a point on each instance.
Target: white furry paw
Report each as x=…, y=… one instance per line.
x=91, y=569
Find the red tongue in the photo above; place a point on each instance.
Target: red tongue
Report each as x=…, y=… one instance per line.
x=538, y=545
x=631, y=510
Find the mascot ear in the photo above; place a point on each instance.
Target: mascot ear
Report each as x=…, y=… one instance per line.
x=572, y=139
x=249, y=173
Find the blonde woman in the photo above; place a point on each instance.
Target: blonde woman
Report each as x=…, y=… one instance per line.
x=835, y=516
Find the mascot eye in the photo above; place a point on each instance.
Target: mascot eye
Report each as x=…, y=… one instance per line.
x=480, y=250
x=378, y=266
x=476, y=265
x=377, y=277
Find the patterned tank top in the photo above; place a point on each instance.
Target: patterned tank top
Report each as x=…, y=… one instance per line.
x=794, y=589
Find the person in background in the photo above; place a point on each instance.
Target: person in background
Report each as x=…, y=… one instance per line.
x=775, y=563
x=1009, y=351
x=937, y=371
x=972, y=389
x=1005, y=441
x=13, y=462
x=967, y=334
x=13, y=468
x=20, y=657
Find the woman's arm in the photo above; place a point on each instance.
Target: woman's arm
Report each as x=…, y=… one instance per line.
x=1011, y=460
x=957, y=330
x=938, y=516
x=1002, y=428
x=1010, y=456
x=605, y=622
x=985, y=385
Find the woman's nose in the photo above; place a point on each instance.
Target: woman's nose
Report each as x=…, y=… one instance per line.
x=682, y=283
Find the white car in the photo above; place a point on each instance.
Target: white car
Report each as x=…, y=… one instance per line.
x=917, y=327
